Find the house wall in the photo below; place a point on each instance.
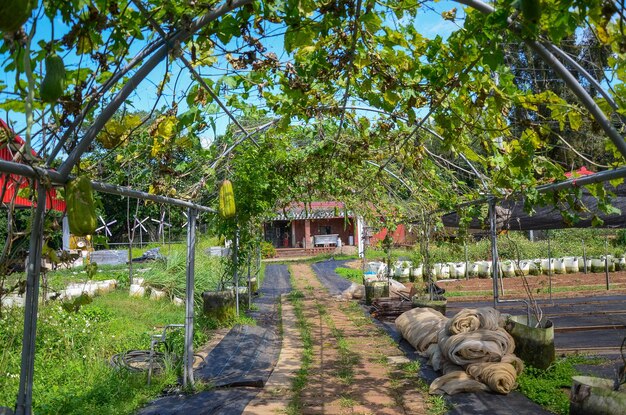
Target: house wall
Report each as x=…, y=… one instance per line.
x=336, y=226
x=399, y=236
x=299, y=227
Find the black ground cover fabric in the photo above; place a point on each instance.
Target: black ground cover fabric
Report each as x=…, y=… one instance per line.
x=325, y=271
x=241, y=363
x=482, y=403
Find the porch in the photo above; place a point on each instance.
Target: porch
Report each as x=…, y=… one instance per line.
x=283, y=253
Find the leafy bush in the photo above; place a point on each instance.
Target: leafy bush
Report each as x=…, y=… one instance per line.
x=267, y=250
x=546, y=387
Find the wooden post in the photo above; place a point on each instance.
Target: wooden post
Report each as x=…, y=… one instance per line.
x=307, y=234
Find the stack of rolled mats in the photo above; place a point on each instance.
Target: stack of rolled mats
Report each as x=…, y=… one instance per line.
x=471, y=349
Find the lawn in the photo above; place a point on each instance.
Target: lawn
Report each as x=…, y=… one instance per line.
x=72, y=370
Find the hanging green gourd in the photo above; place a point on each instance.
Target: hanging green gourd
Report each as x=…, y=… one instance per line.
x=227, y=200
x=81, y=210
x=53, y=84
x=15, y=13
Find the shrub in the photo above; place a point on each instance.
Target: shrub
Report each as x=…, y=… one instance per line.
x=267, y=250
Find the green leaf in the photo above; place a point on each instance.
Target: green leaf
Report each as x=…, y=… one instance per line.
x=575, y=119
x=296, y=37
x=371, y=21
x=228, y=27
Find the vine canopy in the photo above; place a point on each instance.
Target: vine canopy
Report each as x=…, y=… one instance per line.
x=409, y=106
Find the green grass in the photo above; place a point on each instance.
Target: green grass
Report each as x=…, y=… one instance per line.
x=437, y=405
x=72, y=371
x=596, y=287
x=347, y=358
x=301, y=378
x=450, y=293
x=354, y=275
x=550, y=388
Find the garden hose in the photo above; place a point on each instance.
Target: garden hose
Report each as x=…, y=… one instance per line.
x=138, y=360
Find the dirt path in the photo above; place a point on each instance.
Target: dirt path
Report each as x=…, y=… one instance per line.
x=276, y=395
x=356, y=368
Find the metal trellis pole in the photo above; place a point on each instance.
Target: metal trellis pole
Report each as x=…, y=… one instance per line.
x=466, y=261
x=570, y=80
x=249, y=283
x=549, y=266
x=584, y=256
x=494, y=249
x=189, y=305
x=606, y=259
x=25, y=394
x=236, y=273
x=141, y=73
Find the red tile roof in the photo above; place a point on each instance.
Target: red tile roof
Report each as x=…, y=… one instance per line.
x=14, y=182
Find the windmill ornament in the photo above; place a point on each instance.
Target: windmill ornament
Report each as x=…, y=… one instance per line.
x=162, y=224
x=105, y=226
x=142, y=229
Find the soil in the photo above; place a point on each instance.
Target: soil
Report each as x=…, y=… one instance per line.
x=563, y=286
x=367, y=378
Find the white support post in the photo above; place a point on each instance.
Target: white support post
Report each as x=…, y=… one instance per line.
x=360, y=224
x=66, y=233
x=191, y=259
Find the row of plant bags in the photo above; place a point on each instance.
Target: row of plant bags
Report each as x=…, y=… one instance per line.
x=472, y=349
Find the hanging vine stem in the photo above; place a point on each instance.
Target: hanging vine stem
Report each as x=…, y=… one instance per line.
x=346, y=95
x=480, y=176
x=434, y=107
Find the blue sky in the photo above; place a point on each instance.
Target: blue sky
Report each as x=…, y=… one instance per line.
x=430, y=24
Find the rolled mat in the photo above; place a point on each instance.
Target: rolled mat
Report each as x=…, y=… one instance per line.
x=472, y=319
x=434, y=356
x=517, y=363
x=420, y=326
x=456, y=382
x=500, y=377
x=477, y=346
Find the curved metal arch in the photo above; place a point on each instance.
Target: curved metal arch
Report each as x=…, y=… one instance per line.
x=566, y=76
x=144, y=53
x=480, y=176
x=136, y=79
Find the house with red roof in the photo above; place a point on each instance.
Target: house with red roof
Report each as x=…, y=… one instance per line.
x=11, y=145
x=317, y=227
